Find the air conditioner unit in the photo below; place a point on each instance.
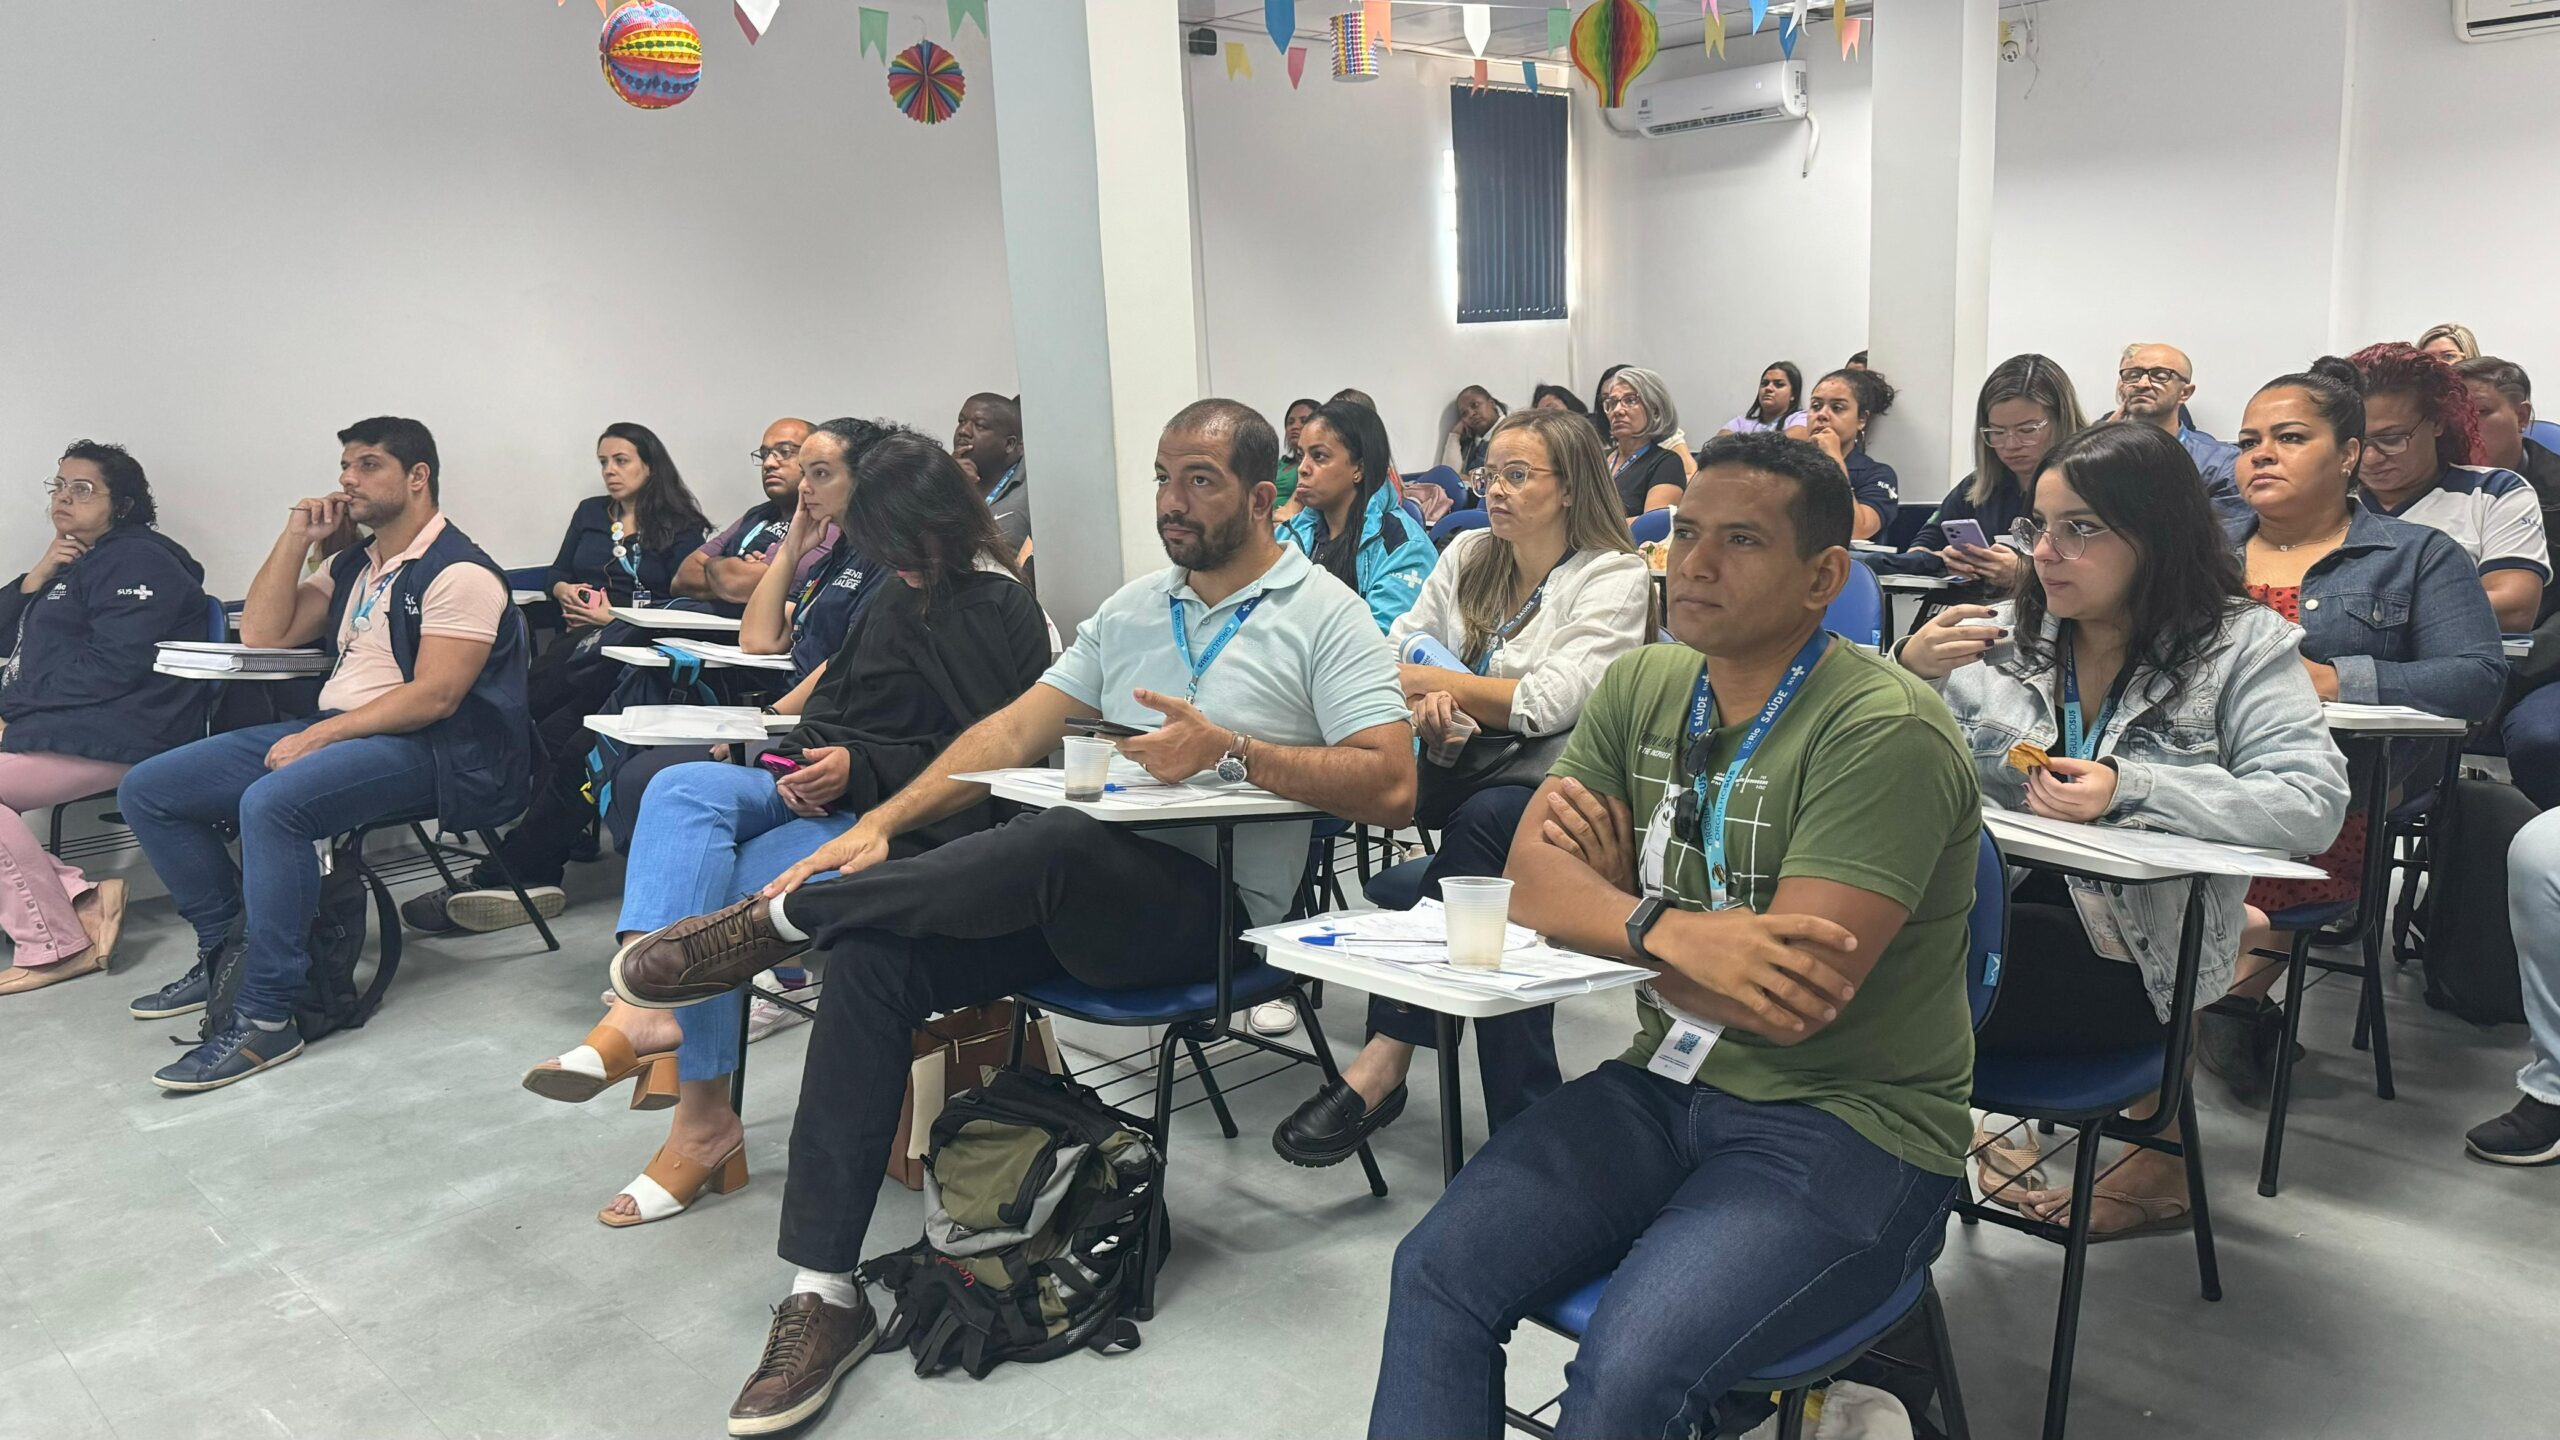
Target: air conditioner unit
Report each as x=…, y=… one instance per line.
x=1743, y=95
x=2478, y=20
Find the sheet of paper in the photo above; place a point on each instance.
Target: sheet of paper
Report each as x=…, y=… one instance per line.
x=1132, y=785
x=727, y=654
x=692, y=722
x=2176, y=852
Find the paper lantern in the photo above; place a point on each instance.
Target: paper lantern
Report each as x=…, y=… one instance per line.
x=1354, y=58
x=1613, y=42
x=652, y=57
x=926, y=83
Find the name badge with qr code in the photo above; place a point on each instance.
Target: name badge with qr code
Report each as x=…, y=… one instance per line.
x=1682, y=1050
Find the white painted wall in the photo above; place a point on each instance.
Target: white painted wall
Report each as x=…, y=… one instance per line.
x=230, y=230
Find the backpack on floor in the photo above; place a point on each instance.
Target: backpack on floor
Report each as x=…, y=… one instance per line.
x=2471, y=950
x=330, y=998
x=1037, y=1197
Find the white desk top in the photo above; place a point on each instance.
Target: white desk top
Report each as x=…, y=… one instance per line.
x=721, y=725
x=2114, y=853
x=646, y=657
x=527, y=597
x=657, y=618
x=2386, y=720
x=185, y=674
x=1917, y=582
x=1414, y=986
x=1222, y=802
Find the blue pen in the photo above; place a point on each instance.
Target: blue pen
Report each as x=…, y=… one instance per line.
x=1336, y=939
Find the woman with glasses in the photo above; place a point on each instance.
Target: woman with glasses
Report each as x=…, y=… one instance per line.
x=2421, y=452
x=79, y=702
x=2025, y=409
x=2352, y=579
x=1776, y=405
x=2450, y=343
x=1348, y=520
x=2133, y=682
x=1636, y=410
x=1516, y=626
x=1843, y=405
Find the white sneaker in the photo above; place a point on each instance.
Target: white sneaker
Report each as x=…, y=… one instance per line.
x=1273, y=1017
x=765, y=1016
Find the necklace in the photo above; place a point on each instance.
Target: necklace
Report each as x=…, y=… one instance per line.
x=2342, y=529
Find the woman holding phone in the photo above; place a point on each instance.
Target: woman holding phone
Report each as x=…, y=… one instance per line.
x=2026, y=408
x=957, y=639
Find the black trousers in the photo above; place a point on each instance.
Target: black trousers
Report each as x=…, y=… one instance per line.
x=2058, y=995
x=1515, y=1053
x=982, y=917
x=564, y=688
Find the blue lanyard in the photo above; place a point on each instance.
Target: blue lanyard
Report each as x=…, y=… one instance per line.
x=624, y=555
x=2077, y=743
x=363, y=617
x=1182, y=639
x=1630, y=460
x=1519, y=617
x=1012, y=473
x=747, y=542
x=1701, y=717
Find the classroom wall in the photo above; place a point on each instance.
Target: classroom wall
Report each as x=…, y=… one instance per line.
x=231, y=230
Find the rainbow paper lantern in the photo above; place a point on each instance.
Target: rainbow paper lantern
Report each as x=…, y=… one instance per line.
x=652, y=55
x=1613, y=42
x=1354, y=57
x=925, y=82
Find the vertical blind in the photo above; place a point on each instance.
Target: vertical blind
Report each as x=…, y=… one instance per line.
x=1510, y=151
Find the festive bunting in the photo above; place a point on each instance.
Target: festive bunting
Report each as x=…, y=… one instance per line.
x=755, y=17
x=1484, y=75
x=652, y=55
x=1788, y=28
x=1280, y=17
x=1236, y=60
x=1529, y=73
x=605, y=8
x=1849, y=35
x=1715, y=29
x=1354, y=58
x=1759, y=12
x=1478, y=20
x=875, y=31
x=1297, y=64
x=1380, y=17
x=1559, y=28
x=1613, y=42
x=967, y=10
x=1839, y=14
x=925, y=82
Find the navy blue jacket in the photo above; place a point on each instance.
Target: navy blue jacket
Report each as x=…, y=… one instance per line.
x=586, y=556
x=81, y=652
x=484, y=749
x=1873, y=484
x=2360, y=615
x=822, y=617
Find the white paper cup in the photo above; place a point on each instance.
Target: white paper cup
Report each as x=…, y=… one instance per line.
x=1462, y=728
x=1478, y=908
x=1088, y=766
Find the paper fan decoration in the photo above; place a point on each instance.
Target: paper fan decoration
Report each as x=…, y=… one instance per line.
x=1613, y=42
x=925, y=82
x=652, y=57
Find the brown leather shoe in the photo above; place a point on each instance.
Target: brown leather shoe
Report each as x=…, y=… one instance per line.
x=701, y=958
x=810, y=1347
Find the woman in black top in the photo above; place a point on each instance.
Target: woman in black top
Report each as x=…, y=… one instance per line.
x=1643, y=427
x=623, y=547
x=2026, y=408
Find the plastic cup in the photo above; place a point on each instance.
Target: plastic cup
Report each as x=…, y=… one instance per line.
x=1478, y=908
x=1462, y=728
x=1088, y=766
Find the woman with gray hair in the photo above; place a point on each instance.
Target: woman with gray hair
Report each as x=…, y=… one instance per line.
x=1642, y=420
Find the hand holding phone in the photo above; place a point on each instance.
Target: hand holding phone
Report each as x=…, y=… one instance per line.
x=1965, y=533
x=1108, y=729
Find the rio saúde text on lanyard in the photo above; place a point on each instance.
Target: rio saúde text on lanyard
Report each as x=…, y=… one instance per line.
x=2078, y=741
x=1693, y=801
x=1208, y=657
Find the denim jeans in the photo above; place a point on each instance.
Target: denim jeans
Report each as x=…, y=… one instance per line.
x=2531, y=731
x=175, y=800
x=1739, y=1232
x=1515, y=1053
x=710, y=834
x=2533, y=911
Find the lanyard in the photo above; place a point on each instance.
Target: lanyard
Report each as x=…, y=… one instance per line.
x=1615, y=470
x=747, y=542
x=625, y=555
x=1182, y=639
x=362, y=619
x=2077, y=743
x=1519, y=617
x=1012, y=473
x=1701, y=718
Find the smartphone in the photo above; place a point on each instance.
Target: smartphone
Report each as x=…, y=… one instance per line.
x=778, y=763
x=1965, y=532
x=1108, y=729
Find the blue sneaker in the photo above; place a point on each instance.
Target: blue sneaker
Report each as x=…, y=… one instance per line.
x=237, y=1051
x=182, y=996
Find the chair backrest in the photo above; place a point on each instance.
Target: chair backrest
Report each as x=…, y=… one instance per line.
x=217, y=620
x=1449, y=481
x=1858, y=610
x=1456, y=523
x=1650, y=526
x=1907, y=524
x=1989, y=934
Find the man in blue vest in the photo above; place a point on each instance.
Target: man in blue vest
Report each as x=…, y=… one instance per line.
x=424, y=714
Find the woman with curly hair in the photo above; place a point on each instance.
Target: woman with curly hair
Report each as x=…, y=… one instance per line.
x=2421, y=448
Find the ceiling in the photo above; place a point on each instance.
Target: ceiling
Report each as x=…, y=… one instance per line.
x=1519, y=29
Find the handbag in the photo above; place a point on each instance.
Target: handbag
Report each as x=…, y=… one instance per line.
x=1493, y=758
x=952, y=1054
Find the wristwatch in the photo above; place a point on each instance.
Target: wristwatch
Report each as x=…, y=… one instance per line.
x=1231, y=766
x=1640, y=920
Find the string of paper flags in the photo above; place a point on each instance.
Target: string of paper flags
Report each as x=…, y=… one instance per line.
x=652, y=55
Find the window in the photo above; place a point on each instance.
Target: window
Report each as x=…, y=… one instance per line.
x=1509, y=146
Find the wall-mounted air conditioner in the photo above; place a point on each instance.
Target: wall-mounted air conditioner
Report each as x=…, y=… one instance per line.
x=2477, y=20
x=1742, y=95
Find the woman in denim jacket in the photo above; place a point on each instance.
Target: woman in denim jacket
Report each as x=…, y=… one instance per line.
x=2193, y=716
x=2352, y=579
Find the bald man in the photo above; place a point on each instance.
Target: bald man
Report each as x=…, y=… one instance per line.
x=725, y=570
x=987, y=441
x=2153, y=384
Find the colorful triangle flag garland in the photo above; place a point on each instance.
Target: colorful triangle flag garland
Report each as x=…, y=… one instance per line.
x=968, y=10
x=1529, y=73
x=1789, y=27
x=1236, y=60
x=1849, y=34
x=1484, y=74
x=1839, y=14
x=756, y=17
x=1280, y=17
x=1759, y=12
x=1297, y=64
x=1559, y=28
x=875, y=31
x=1381, y=15
x=1715, y=29
x=1478, y=20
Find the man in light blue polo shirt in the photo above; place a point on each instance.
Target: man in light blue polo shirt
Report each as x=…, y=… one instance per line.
x=2153, y=385
x=1243, y=658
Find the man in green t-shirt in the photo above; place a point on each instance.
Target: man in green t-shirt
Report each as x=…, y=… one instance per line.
x=1791, y=848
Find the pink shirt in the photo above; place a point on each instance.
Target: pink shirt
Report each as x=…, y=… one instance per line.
x=465, y=602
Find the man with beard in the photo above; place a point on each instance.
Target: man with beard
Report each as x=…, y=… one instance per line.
x=2153, y=385
x=987, y=441
x=424, y=714
x=1242, y=658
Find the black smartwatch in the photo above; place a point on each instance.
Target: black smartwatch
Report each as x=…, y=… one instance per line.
x=1640, y=920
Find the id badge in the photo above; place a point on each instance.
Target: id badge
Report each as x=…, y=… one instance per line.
x=1683, y=1049
x=2099, y=921
x=1657, y=845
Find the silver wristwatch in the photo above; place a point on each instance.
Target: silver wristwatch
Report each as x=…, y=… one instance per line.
x=1231, y=766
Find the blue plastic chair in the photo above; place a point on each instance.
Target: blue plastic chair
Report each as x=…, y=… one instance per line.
x=1793, y=1376
x=1457, y=523
x=1857, y=612
x=2545, y=433
x=1650, y=526
x=1448, y=482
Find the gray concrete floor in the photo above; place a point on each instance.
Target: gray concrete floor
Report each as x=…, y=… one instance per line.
x=388, y=1238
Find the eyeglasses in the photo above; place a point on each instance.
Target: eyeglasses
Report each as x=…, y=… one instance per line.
x=2391, y=445
x=2070, y=539
x=2157, y=374
x=76, y=489
x=2002, y=434
x=763, y=453
x=1513, y=477
x=1622, y=402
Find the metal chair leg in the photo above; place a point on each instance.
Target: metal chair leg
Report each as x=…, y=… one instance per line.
x=738, y=1077
x=2280, y=1098
x=1332, y=1073
x=435, y=856
x=2376, y=1024
x=1943, y=1350
x=549, y=940
x=1151, y=1261
x=2208, y=1267
x=1209, y=1084
x=1791, y=1415
x=2075, y=1276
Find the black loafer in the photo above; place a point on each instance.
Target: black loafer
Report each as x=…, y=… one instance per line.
x=1330, y=1127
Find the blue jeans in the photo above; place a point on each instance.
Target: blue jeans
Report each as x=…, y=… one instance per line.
x=1739, y=1232
x=2531, y=731
x=2533, y=911
x=175, y=800
x=711, y=834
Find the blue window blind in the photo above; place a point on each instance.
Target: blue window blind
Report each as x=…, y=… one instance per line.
x=1510, y=149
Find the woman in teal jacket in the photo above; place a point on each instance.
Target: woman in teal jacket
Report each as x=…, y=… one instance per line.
x=1349, y=521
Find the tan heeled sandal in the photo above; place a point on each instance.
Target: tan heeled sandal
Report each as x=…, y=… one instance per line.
x=611, y=1053
x=673, y=1182
x=2006, y=1173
